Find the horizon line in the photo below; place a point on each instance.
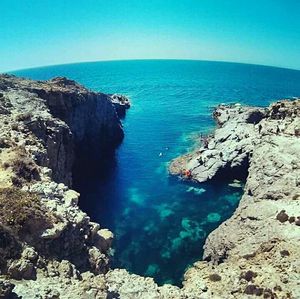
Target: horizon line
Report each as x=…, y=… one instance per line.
x=147, y=59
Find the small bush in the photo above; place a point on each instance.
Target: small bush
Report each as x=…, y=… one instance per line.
x=282, y=216
x=269, y=294
x=17, y=182
x=249, y=256
x=23, y=167
x=5, y=165
x=214, y=277
x=23, y=116
x=249, y=275
x=252, y=289
x=296, y=197
x=292, y=219
x=3, y=143
x=22, y=211
x=14, y=126
x=284, y=253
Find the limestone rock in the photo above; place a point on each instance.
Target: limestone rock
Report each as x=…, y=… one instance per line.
x=104, y=239
x=121, y=104
x=22, y=269
x=250, y=252
x=45, y=128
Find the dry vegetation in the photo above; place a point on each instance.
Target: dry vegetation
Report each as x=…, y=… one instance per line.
x=22, y=167
x=22, y=211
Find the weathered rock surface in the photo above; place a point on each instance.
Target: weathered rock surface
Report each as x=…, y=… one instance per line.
x=256, y=251
x=44, y=126
x=121, y=104
x=65, y=117
x=49, y=248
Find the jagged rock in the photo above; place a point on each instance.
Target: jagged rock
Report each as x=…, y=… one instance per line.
x=29, y=254
x=104, y=239
x=6, y=290
x=68, y=118
x=56, y=122
x=121, y=104
x=98, y=260
x=22, y=269
x=71, y=198
x=227, y=153
x=126, y=286
x=46, y=126
x=253, y=239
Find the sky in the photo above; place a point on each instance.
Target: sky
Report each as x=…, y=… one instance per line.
x=46, y=32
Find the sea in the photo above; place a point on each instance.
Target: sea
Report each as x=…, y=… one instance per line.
x=161, y=223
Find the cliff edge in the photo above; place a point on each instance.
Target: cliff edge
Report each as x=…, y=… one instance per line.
x=256, y=251
x=45, y=239
x=49, y=248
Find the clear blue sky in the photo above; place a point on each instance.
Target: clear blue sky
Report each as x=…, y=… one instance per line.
x=43, y=32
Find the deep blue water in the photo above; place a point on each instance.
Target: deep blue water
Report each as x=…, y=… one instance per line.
x=160, y=223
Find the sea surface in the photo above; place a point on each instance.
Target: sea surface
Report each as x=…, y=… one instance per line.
x=160, y=223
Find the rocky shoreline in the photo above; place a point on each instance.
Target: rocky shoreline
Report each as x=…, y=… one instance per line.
x=49, y=248
x=256, y=251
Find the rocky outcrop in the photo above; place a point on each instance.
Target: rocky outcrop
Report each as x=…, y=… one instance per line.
x=255, y=252
x=69, y=119
x=227, y=153
x=49, y=248
x=44, y=127
x=121, y=104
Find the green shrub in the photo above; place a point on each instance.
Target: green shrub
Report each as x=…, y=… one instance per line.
x=23, y=167
x=249, y=275
x=23, y=116
x=22, y=211
x=214, y=277
x=282, y=216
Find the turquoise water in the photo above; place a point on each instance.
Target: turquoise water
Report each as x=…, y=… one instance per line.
x=161, y=223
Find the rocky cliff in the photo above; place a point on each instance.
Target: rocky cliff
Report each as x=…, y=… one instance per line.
x=49, y=248
x=45, y=126
x=256, y=251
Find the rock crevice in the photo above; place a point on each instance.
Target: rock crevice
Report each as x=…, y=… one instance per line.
x=262, y=236
x=49, y=248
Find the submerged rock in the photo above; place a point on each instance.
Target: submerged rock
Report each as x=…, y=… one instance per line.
x=196, y=191
x=152, y=270
x=213, y=217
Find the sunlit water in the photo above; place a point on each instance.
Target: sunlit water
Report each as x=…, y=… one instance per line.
x=160, y=223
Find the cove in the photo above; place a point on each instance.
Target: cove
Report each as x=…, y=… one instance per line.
x=160, y=223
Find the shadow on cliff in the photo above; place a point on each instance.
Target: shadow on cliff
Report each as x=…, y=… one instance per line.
x=95, y=181
x=229, y=173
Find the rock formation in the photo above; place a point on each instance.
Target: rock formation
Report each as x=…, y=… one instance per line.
x=49, y=248
x=121, y=104
x=44, y=128
x=256, y=251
